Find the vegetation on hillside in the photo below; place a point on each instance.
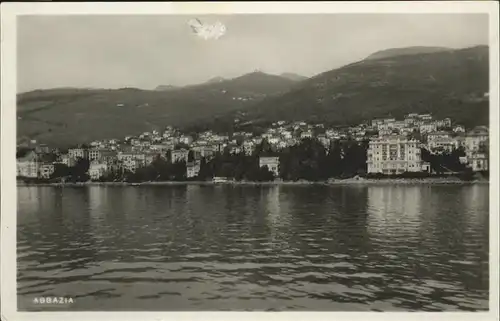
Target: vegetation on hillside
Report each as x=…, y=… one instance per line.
x=444, y=83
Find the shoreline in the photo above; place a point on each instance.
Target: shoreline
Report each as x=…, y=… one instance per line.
x=388, y=181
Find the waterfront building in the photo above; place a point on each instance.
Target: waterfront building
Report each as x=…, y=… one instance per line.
x=28, y=165
x=45, y=170
x=272, y=163
x=394, y=155
x=192, y=169
x=97, y=169
x=475, y=138
x=478, y=162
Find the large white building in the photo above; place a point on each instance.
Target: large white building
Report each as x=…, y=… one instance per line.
x=394, y=155
x=28, y=165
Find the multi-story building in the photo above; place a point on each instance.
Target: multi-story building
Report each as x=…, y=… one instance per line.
x=443, y=123
x=132, y=160
x=443, y=144
x=248, y=147
x=97, y=169
x=427, y=127
x=437, y=135
x=378, y=122
x=28, y=165
x=192, y=169
x=394, y=155
x=131, y=165
x=475, y=138
x=272, y=163
x=478, y=162
x=410, y=119
x=78, y=153
x=306, y=134
x=45, y=170
x=95, y=154
x=180, y=155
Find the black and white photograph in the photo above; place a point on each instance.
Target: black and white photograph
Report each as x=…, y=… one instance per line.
x=250, y=161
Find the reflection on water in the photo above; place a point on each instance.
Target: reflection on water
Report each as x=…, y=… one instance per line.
x=340, y=248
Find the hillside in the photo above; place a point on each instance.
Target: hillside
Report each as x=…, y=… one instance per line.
x=67, y=116
x=446, y=84
x=394, y=52
x=166, y=88
x=293, y=76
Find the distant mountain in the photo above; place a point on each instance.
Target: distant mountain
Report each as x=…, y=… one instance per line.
x=446, y=83
x=166, y=88
x=292, y=76
x=394, y=52
x=68, y=116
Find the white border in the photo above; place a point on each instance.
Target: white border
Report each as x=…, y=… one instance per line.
x=9, y=11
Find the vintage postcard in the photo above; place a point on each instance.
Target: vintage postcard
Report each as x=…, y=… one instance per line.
x=235, y=160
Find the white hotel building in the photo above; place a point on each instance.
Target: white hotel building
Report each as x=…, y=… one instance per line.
x=394, y=155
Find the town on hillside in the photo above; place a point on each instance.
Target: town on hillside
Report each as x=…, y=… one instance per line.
x=416, y=146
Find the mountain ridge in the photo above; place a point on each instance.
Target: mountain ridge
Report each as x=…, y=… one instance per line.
x=71, y=116
x=445, y=83
x=404, y=51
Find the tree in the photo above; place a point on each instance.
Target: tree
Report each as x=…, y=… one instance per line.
x=334, y=160
x=265, y=175
x=263, y=148
x=79, y=172
x=60, y=170
x=190, y=156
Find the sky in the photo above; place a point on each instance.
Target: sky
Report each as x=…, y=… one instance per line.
x=146, y=51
